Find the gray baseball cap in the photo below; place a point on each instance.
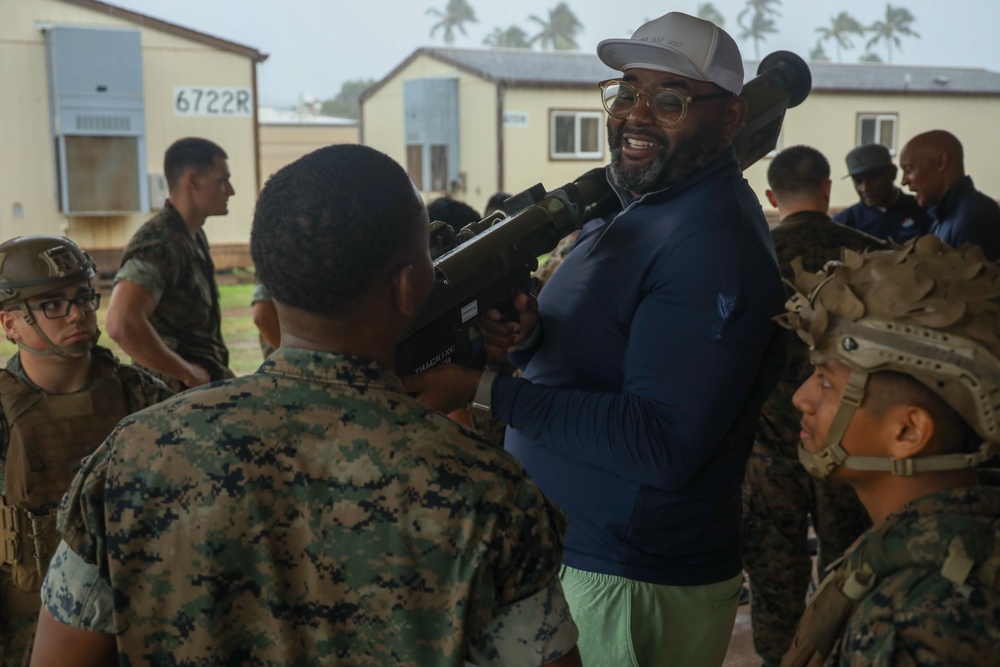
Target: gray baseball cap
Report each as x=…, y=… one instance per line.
x=868, y=158
x=679, y=44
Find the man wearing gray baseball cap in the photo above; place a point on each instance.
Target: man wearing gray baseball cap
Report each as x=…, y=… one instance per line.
x=674, y=296
x=647, y=358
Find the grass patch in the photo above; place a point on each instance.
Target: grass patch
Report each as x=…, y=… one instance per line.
x=238, y=330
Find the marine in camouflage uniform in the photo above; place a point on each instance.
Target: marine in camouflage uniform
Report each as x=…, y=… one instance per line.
x=903, y=406
x=555, y=258
x=780, y=499
x=925, y=585
x=43, y=434
x=176, y=269
x=313, y=512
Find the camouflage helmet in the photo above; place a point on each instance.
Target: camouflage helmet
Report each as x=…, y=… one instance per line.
x=924, y=309
x=33, y=265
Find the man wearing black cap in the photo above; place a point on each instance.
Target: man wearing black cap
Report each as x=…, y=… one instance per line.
x=884, y=211
x=647, y=358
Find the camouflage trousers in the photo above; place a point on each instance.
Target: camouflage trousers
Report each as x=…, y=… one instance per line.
x=779, y=500
x=18, y=618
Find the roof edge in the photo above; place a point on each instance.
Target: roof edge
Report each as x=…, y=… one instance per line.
x=171, y=28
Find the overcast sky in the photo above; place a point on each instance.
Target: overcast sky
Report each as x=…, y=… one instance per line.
x=316, y=45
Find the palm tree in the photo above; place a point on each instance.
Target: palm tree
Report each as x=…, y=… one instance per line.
x=455, y=15
x=760, y=22
x=511, y=38
x=897, y=22
x=841, y=27
x=707, y=11
x=559, y=32
x=818, y=53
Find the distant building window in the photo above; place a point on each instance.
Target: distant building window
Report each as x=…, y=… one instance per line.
x=439, y=168
x=878, y=129
x=576, y=135
x=98, y=119
x=415, y=163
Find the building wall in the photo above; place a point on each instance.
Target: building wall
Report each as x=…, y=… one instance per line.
x=283, y=144
x=27, y=162
x=827, y=121
x=526, y=150
x=384, y=126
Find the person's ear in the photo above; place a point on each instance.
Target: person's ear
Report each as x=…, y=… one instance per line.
x=940, y=161
x=403, y=292
x=190, y=179
x=769, y=193
x=826, y=190
x=7, y=320
x=913, y=429
x=733, y=117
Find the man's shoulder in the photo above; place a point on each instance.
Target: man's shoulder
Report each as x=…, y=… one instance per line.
x=160, y=229
x=818, y=233
x=261, y=402
x=985, y=205
x=141, y=387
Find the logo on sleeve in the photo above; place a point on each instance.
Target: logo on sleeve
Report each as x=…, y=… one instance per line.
x=730, y=309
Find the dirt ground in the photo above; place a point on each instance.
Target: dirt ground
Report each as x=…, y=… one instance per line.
x=741, y=653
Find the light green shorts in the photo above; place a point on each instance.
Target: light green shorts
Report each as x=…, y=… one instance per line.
x=624, y=622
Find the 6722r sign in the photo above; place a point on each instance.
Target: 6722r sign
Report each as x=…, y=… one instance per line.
x=212, y=101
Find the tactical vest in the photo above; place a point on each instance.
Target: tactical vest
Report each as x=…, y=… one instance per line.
x=974, y=553
x=49, y=436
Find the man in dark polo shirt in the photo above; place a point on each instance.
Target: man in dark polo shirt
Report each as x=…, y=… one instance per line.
x=884, y=211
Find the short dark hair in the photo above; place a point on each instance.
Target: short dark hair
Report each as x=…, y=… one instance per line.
x=495, y=203
x=798, y=169
x=327, y=226
x=952, y=434
x=457, y=214
x=187, y=153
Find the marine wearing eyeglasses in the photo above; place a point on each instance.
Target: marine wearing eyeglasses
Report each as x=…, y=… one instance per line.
x=60, y=395
x=648, y=359
x=55, y=309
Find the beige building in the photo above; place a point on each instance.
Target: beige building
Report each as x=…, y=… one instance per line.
x=93, y=96
x=286, y=136
x=470, y=122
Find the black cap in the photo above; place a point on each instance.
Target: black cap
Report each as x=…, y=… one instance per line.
x=868, y=158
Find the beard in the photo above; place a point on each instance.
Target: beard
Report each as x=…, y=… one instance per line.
x=675, y=161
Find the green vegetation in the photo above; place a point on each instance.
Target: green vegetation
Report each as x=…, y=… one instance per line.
x=757, y=21
x=238, y=330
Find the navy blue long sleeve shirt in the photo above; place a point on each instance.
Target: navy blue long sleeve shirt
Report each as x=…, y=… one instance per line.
x=966, y=215
x=637, y=409
x=900, y=221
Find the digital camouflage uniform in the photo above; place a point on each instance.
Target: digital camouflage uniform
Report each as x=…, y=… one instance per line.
x=779, y=496
x=313, y=513
x=176, y=269
x=556, y=257
x=20, y=608
x=921, y=588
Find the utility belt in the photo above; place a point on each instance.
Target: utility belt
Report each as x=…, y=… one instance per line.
x=27, y=543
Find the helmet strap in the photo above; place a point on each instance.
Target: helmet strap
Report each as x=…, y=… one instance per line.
x=833, y=455
x=820, y=464
x=50, y=349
